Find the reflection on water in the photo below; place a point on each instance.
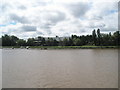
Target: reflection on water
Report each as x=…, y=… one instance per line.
x=82, y=68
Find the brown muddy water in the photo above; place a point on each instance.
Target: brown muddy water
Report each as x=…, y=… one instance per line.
x=80, y=68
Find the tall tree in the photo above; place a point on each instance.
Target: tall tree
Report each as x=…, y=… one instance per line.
x=30, y=42
x=14, y=40
x=94, y=36
x=65, y=42
x=116, y=36
x=99, y=37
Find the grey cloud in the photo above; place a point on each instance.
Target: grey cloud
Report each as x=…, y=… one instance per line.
x=49, y=31
x=94, y=25
x=110, y=29
x=59, y=16
x=40, y=3
x=78, y=9
x=28, y=28
x=97, y=18
x=46, y=25
x=39, y=33
x=44, y=32
x=22, y=7
x=66, y=34
x=5, y=33
x=51, y=18
x=20, y=19
x=5, y=7
x=82, y=31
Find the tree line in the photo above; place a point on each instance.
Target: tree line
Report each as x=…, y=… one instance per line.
x=96, y=38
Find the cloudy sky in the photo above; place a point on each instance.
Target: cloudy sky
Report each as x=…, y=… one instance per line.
x=31, y=18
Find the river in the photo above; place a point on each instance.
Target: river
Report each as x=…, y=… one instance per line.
x=77, y=68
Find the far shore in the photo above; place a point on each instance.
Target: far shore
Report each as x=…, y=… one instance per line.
x=61, y=47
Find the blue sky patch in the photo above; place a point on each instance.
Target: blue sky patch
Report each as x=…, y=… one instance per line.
x=11, y=23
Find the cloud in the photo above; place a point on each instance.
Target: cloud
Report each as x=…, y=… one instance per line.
x=28, y=28
x=22, y=7
x=18, y=19
x=78, y=9
x=57, y=17
x=49, y=18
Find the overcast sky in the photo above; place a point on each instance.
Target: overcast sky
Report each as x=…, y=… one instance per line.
x=32, y=18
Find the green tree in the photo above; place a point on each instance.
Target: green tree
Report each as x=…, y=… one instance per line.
x=94, y=36
x=70, y=42
x=116, y=36
x=98, y=37
x=6, y=40
x=0, y=41
x=14, y=40
x=30, y=42
x=76, y=41
x=9, y=40
x=21, y=42
x=65, y=42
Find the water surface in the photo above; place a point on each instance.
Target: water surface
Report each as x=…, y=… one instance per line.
x=81, y=68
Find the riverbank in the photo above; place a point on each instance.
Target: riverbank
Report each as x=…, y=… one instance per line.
x=64, y=47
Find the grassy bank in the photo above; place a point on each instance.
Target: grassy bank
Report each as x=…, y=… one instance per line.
x=65, y=47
